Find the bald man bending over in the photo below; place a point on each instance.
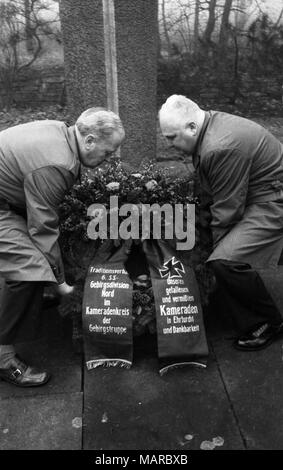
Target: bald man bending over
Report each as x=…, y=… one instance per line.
x=241, y=165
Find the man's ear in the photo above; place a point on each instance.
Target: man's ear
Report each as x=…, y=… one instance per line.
x=192, y=127
x=90, y=140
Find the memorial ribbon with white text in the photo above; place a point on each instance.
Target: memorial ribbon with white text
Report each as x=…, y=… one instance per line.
x=180, y=328
x=107, y=310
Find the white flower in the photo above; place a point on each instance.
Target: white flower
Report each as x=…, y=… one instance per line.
x=136, y=175
x=113, y=186
x=97, y=214
x=151, y=185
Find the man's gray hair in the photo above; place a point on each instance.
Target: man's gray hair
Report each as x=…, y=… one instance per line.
x=183, y=106
x=100, y=122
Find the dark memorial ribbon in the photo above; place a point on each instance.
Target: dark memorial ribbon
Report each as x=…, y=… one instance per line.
x=180, y=328
x=107, y=310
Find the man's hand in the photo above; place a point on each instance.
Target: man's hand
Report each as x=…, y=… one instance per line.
x=64, y=289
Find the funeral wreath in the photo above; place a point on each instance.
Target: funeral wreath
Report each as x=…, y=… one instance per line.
x=149, y=186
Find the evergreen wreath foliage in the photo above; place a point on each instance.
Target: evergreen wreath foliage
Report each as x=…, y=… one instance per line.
x=150, y=185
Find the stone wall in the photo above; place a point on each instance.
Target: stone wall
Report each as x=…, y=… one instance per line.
x=38, y=87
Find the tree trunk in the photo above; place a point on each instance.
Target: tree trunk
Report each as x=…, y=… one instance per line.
x=165, y=29
x=211, y=21
x=110, y=55
x=196, y=27
x=225, y=23
x=29, y=38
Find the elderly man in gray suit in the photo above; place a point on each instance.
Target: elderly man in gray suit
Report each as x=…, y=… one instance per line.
x=39, y=162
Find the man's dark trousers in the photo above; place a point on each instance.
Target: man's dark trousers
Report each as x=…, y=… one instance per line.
x=246, y=288
x=20, y=311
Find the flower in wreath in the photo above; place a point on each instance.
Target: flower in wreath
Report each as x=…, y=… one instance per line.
x=113, y=186
x=96, y=214
x=151, y=185
x=136, y=175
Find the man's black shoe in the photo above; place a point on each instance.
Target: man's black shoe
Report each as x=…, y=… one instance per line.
x=260, y=337
x=50, y=301
x=18, y=373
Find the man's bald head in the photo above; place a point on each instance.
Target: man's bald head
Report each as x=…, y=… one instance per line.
x=178, y=110
x=181, y=120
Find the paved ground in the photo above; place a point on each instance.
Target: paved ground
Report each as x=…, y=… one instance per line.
x=235, y=402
